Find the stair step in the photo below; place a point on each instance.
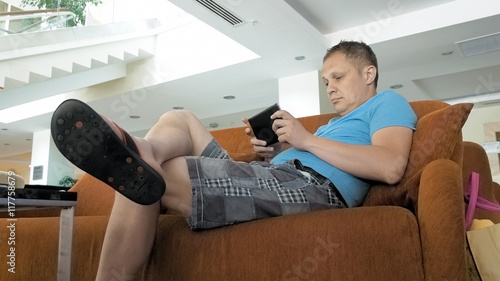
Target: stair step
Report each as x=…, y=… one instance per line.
x=112, y=59
x=11, y=83
x=143, y=54
x=78, y=68
x=58, y=73
x=128, y=56
x=36, y=78
x=96, y=63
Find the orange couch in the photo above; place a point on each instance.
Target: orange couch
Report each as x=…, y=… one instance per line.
x=410, y=231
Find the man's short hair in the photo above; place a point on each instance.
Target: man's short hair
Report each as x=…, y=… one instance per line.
x=357, y=53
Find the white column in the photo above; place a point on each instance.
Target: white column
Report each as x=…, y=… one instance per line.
x=48, y=165
x=304, y=94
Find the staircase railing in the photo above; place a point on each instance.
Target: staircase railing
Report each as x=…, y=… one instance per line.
x=31, y=21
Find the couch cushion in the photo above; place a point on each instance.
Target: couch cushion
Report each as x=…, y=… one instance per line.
x=437, y=136
x=320, y=245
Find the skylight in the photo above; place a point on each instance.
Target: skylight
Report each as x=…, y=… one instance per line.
x=186, y=46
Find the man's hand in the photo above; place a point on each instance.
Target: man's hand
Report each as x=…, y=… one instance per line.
x=290, y=130
x=259, y=146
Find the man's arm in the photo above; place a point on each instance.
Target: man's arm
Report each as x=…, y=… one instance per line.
x=384, y=160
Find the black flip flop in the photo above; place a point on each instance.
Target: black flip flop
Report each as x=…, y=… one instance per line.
x=87, y=141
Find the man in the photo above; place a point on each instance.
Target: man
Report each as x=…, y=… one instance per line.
x=331, y=169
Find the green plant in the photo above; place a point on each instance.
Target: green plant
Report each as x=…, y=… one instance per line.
x=67, y=181
x=75, y=6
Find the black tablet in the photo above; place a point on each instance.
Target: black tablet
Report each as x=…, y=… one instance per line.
x=262, y=124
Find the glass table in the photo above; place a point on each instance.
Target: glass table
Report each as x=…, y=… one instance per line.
x=14, y=201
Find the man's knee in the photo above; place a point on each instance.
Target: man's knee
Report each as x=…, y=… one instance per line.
x=178, y=116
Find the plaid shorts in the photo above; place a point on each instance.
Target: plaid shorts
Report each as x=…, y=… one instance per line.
x=226, y=192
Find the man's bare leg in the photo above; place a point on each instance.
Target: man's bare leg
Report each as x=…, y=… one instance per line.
x=128, y=241
x=132, y=227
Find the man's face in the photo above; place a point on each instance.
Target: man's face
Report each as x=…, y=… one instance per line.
x=347, y=87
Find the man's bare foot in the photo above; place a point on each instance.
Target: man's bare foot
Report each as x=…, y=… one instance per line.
x=104, y=150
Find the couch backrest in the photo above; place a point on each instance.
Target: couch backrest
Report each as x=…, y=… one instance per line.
x=438, y=135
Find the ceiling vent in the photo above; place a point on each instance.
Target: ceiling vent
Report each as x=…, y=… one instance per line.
x=480, y=45
x=221, y=12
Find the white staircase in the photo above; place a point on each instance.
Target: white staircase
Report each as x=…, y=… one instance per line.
x=43, y=64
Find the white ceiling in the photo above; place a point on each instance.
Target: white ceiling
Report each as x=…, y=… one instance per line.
x=329, y=16
x=407, y=36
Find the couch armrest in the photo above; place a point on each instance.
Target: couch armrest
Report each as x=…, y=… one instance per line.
x=440, y=215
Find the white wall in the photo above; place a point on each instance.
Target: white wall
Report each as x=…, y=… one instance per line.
x=474, y=131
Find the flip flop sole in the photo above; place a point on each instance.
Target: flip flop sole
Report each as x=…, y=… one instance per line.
x=87, y=141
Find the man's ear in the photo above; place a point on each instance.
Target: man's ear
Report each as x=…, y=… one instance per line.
x=370, y=74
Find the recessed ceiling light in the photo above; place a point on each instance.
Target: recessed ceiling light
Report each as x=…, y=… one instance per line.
x=229, y=97
x=178, y=107
x=300, y=58
x=134, y=116
x=396, y=86
x=447, y=53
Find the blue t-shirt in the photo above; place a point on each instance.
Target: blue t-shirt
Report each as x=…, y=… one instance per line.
x=383, y=110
